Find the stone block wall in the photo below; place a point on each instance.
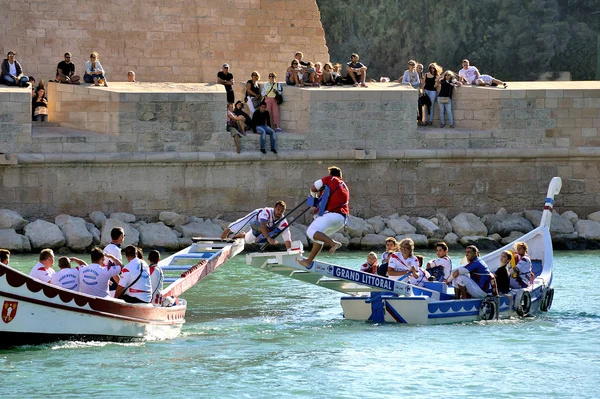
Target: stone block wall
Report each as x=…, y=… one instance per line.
x=15, y=118
x=177, y=41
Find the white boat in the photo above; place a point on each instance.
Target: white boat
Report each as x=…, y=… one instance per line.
x=36, y=312
x=379, y=299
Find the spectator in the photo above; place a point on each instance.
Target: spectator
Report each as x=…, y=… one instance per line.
x=94, y=73
x=411, y=76
x=356, y=72
x=131, y=77
x=39, y=104
x=319, y=73
x=65, y=71
x=329, y=76
x=33, y=88
x=225, y=78
x=269, y=91
x=12, y=72
x=447, y=82
x=239, y=110
x=308, y=69
x=252, y=96
x=293, y=75
x=430, y=78
x=487, y=80
x=420, y=120
x=262, y=123
x=468, y=74
x=235, y=126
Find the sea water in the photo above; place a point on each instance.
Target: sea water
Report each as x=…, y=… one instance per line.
x=253, y=334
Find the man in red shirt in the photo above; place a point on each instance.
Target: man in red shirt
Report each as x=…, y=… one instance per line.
x=335, y=192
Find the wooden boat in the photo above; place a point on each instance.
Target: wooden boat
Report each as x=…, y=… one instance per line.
x=380, y=299
x=36, y=312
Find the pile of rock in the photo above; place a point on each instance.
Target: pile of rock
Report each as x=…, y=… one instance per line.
x=173, y=231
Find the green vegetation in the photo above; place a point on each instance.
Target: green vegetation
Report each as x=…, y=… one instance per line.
x=510, y=39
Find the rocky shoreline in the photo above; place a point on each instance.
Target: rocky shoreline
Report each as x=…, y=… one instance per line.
x=170, y=231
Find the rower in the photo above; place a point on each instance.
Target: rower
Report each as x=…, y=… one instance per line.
x=67, y=277
x=441, y=267
x=43, y=269
x=117, y=235
x=4, y=256
x=156, y=276
x=94, y=279
x=134, y=284
x=404, y=262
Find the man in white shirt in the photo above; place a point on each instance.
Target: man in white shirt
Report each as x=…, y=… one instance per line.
x=43, y=269
x=156, y=276
x=238, y=228
x=4, y=256
x=117, y=234
x=468, y=74
x=134, y=284
x=270, y=221
x=93, y=279
x=67, y=277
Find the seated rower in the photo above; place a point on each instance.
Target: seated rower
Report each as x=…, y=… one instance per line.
x=391, y=246
x=269, y=222
x=441, y=267
x=502, y=273
x=156, y=276
x=4, y=256
x=67, y=277
x=473, y=279
x=134, y=284
x=404, y=262
x=94, y=279
x=43, y=269
x=419, y=276
x=521, y=275
x=371, y=265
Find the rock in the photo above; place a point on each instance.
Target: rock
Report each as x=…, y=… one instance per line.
x=357, y=227
x=495, y=237
x=594, y=216
x=299, y=235
x=513, y=236
x=196, y=219
x=467, y=224
x=98, y=218
x=200, y=229
x=504, y=224
x=354, y=243
x=339, y=237
x=534, y=216
x=372, y=241
x=427, y=228
x=388, y=232
x=393, y=216
x=558, y=225
x=11, y=220
x=419, y=239
x=568, y=242
x=378, y=224
x=125, y=217
x=482, y=243
x=44, y=234
x=178, y=234
x=501, y=212
x=405, y=217
x=77, y=236
x=588, y=229
x=185, y=242
x=572, y=216
x=137, y=224
x=451, y=239
x=158, y=235
x=12, y=241
x=443, y=223
x=401, y=226
x=173, y=219
x=91, y=228
x=224, y=224
x=132, y=236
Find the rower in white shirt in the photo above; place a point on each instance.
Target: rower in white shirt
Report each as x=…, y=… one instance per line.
x=68, y=277
x=93, y=279
x=43, y=269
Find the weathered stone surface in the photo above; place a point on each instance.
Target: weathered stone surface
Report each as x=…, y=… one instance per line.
x=44, y=234
x=125, y=217
x=588, y=229
x=506, y=223
x=354, y=243
x=468, y=224
x=572, y=216
x=443, y=223
x=594, y=216
x=401, y=226
x=200, y=229
x=558, y=224
x=339, y=237
x=388, y=232
x=185, y=242
x=77, y=236
x=14, y=242
x=501, y=212
x=419, y=239
x=299, y=235
x=571, y=242
x=514, y=235
x=98, y=218
x=94, y=231
x=482, y=243
x=158, y=235
x=173, y=219
x=370, y=241
x=132, y=236
x=451, y=239
x=427, y=227
x=11, y=220
x=358, y=227
x=495, y=237
x=378, y=224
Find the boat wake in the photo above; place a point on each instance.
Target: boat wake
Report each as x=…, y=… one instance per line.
x=87, y=344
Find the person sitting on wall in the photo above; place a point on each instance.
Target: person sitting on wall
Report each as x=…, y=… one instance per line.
x=131, y=77
x=43, y=269
x=134, y=283
x=65, y=71
x=67, y=277
x=473, y=279
x=330, y=77
x=225, y=78
x=308, y=69
x=235, y=126
x=94, y=278
x=356, y=72
x=238, y=110
x=293, y=74
x=262, y=123
x=94, y=73
x=12, y=72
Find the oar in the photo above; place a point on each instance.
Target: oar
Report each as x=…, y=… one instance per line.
x=285, y=228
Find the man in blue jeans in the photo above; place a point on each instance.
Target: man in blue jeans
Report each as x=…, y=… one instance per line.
x=262, y=122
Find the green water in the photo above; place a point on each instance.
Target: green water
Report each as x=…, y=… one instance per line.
x=252, y=334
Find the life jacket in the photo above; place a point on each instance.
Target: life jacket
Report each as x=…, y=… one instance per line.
x=525, y=279
x=373, y=268
x=334, y=197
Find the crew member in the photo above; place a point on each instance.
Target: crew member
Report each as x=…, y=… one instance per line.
x=67, y=277
x=43, y=269
x=332, y=214
x=520, y=274
x=134, y=284
x=474, y=278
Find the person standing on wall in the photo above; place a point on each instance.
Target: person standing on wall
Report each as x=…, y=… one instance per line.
x=225, y=78
x=269, y=92
x=332, y=214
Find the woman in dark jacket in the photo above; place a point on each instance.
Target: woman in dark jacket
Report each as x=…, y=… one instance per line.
x=39, y=105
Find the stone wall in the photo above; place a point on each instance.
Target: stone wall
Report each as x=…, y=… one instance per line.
x=15, y=119
x=176, y=41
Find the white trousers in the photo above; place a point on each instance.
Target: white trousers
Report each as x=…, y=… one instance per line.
x=327, y=224
x=472, y=288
